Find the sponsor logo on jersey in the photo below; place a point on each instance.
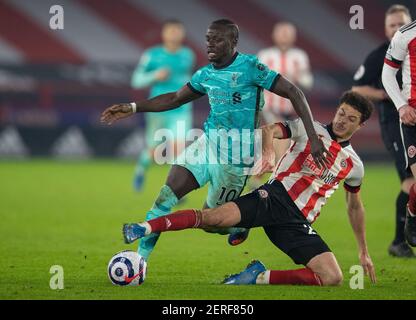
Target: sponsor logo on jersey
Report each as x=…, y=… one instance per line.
x=321, y=173
x=310, y=163
x=236, y=97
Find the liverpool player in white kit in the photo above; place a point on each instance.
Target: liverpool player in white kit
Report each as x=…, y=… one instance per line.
x=291, y=201
x=402, y=53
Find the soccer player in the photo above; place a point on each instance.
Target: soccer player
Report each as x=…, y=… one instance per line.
x=402, y=53
x=165, y=68
x=367, y=81
x=293, y=64
x=291, y=201
x=234, y=83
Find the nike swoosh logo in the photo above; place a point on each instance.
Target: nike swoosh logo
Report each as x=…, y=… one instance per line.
x=130, y=279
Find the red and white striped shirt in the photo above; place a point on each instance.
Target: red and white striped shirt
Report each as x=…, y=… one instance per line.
x=307, y=185
x=402, y=53
x=293, y=64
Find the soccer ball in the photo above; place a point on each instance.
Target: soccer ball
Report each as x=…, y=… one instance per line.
x=127, y=268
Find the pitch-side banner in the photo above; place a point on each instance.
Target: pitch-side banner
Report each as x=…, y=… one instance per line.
x=70, y=142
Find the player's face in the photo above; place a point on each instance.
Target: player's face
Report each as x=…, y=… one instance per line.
x=395, y=21
x=284, y=36
x=220, y=45
x=346, y=121
x=173, y=33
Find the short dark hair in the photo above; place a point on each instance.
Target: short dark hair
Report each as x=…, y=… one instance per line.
x=398, y=8
x=359, y=103
x=230, y=25
x=171, y=21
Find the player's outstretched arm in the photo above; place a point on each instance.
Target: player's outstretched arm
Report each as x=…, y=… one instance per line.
x=356, y=214
x=286, y=89
x=268, y=156
x=163, y=102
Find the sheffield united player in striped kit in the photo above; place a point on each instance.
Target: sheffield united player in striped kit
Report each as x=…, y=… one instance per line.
x=402, y=52
x=291, y=201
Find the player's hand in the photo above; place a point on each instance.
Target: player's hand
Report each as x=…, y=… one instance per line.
x=408, y=115
x=368, y=266
x=162, y=74
x=320, y=154
x=116, y=112
x=267, y=162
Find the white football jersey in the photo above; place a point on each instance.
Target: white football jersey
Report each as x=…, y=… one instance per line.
x=309, y=186
x=293, y=65
x=402, y=52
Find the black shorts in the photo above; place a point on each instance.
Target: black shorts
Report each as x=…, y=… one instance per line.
x=390, y=132
x=409, y=141
x=271, y=207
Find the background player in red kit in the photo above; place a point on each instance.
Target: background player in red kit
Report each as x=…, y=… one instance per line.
x=367, y=81
x=291, y=201
x=402, y=52
x=293, y=63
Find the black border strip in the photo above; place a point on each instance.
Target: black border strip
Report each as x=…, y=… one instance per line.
x=351, y=189
x=276, y=78
x=189, y=85
x=228, y=63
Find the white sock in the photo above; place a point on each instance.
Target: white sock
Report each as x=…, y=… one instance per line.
x=263, y=278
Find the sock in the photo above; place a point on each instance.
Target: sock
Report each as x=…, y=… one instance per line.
x=179, y=220
x=401, y=203
x=143, y=161
x=303, y=276
x=162, y=206
x=412, y=200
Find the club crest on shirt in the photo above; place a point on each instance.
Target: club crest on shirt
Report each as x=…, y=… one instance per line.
x=261, y=66
x=234, y=79
x=343, y=163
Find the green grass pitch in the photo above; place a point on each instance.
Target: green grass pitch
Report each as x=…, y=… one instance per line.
x=70, y=214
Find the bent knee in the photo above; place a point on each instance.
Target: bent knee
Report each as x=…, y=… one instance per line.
x=332, y=278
